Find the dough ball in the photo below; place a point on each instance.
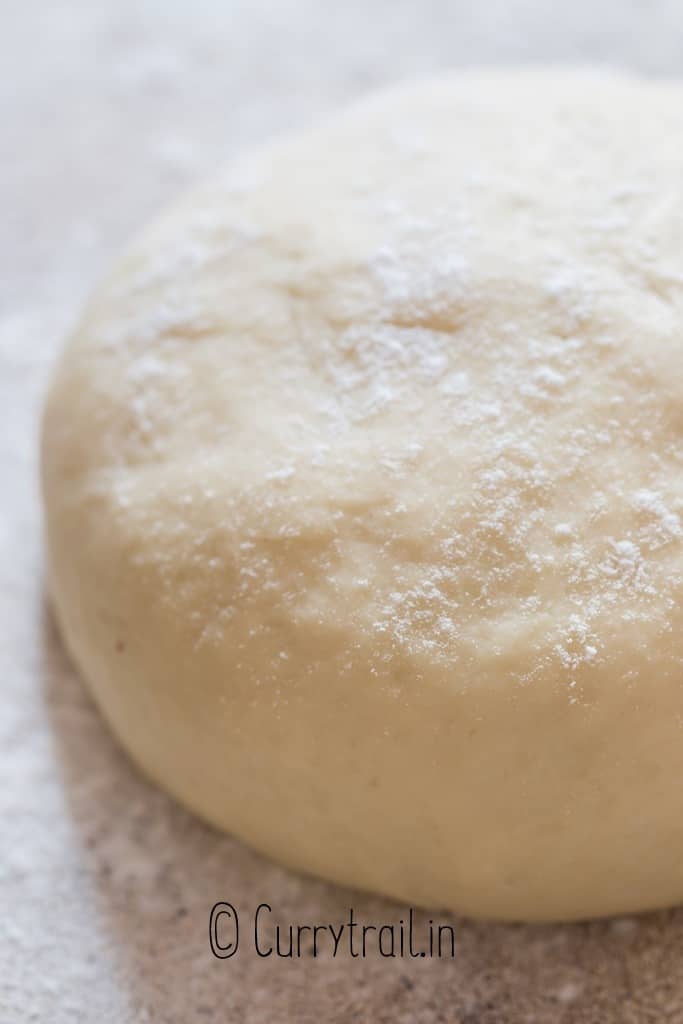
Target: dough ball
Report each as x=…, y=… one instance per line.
x=364, y=488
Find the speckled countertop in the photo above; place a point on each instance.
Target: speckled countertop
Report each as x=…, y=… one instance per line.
x=107, y=108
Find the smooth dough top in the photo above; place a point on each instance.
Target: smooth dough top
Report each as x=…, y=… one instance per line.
x=364, y=482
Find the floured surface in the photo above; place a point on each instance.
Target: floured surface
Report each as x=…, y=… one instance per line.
x=115, y=862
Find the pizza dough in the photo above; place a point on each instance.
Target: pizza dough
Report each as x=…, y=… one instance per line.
x=363, y=477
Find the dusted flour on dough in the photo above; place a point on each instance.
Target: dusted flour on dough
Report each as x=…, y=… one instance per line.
x=364, y=485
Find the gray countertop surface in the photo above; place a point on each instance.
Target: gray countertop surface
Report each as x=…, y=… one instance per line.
x=107, y=109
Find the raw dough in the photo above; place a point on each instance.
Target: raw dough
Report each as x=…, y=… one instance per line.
x=364, y=479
